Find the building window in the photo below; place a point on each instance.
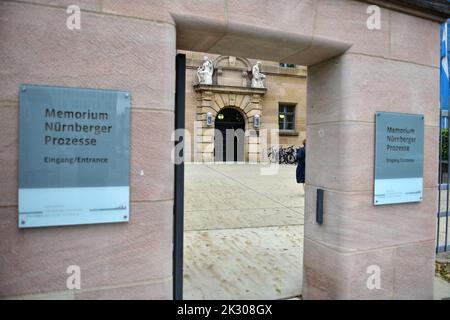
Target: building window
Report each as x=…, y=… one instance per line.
x=286, y=116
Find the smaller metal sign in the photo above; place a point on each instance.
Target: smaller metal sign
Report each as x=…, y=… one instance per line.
x=399, y=145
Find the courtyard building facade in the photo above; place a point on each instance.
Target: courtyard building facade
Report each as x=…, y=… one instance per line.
x=233, y=103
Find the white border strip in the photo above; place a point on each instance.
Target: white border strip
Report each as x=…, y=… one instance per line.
x=390, y=191
x=43, y=207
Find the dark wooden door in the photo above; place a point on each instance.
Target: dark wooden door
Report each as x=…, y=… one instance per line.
x=229, y=136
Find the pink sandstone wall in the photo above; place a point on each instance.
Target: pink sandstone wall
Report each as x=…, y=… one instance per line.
x=386, y=71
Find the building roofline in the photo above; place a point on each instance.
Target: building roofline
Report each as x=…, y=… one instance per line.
x=438, y=10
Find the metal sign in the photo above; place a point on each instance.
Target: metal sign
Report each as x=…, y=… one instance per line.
x=399, y=145
x=74, y=156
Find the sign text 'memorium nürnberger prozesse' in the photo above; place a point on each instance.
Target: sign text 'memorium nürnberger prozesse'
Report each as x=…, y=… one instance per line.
x=406, y=138
x=59, y=122
x=73, y=156
x=398, y=158
x=57, y=126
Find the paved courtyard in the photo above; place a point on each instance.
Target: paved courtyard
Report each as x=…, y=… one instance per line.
x=243, y=232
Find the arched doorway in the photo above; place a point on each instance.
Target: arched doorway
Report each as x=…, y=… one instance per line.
x=229, y=136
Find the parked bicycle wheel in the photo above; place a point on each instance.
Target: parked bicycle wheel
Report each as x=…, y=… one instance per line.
x=290, y=158
x=282, y=158
x=290, y=155
x=273, y=156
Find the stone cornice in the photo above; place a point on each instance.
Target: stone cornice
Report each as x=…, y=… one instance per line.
x=229, y=89
x=298, y=71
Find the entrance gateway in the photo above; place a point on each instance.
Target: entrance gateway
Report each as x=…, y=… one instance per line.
x=353, y=72
x=239, y=105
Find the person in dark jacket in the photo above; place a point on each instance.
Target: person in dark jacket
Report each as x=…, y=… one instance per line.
x=301, y=160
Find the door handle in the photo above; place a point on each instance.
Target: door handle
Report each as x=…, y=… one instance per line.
x=319, y=206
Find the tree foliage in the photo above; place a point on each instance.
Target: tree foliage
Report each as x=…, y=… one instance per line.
x=444, y=148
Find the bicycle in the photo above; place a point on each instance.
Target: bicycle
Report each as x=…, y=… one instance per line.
x=283, y=155
x=290, y=155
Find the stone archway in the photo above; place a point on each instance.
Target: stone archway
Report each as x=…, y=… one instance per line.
x=211, y=99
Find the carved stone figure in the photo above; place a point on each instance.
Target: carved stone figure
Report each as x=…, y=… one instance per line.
x=205, y=71
x=257, y=76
